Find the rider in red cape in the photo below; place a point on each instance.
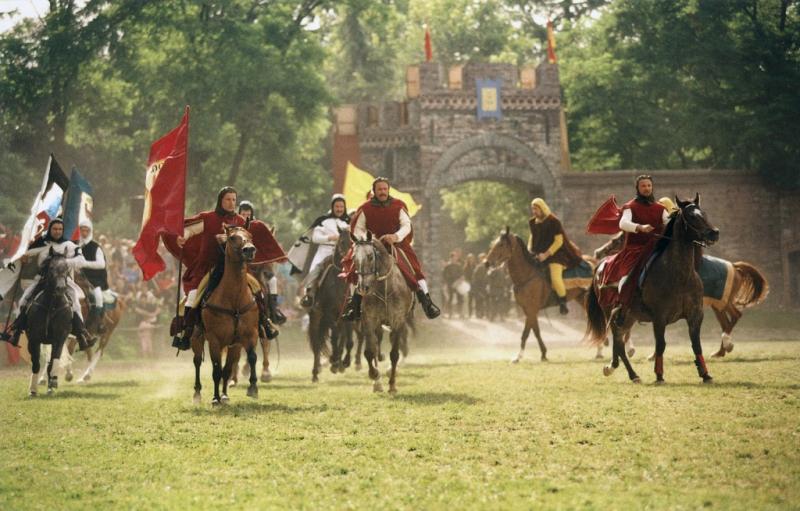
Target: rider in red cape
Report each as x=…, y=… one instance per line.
x=268, y=251
x=642, y=219
x=387, y=219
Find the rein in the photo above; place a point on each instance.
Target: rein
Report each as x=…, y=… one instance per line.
x=235, y=313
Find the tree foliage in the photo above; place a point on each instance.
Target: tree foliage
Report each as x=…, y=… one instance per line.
x=475, y=206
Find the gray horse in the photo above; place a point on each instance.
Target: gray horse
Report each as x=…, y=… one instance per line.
x=387, y=301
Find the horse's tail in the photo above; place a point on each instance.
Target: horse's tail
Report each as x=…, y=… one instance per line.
x=596, y=322
x=753, y=287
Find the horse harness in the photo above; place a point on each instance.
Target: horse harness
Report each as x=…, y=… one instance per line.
x=234, y=313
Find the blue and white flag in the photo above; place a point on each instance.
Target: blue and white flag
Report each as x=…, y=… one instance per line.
x=489, y=99
x=77, y=205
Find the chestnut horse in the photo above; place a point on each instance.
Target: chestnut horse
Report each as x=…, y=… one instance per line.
x=229, y=319
x=532, y=289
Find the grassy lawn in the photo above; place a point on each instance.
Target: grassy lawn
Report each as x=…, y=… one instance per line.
x=467, y=430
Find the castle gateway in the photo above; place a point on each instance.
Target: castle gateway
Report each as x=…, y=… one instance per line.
x=496, y=122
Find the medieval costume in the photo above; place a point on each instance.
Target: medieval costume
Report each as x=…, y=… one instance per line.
x=41, y=250
x=382, y=218
x=324, y=234
x=95, y=272
x=548, y=237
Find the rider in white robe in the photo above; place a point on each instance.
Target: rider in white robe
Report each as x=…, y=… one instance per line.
x=325, y=235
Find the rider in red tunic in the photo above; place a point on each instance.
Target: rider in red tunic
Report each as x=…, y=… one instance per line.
x=642, y=220
x=387, y=219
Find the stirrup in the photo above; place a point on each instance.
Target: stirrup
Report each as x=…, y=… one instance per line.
x=181, y=343
x=307, y=301
x=352, y=311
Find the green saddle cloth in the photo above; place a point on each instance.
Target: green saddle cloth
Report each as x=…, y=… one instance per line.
x=582, y=271
x=714, y=274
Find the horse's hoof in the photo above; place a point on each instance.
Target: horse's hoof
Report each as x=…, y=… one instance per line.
x=50, y=391
x=358, y=366
x=252, y=391
x=224, y=399
x=196, y=399
x=708, y=379
x=392, y=389
x=515, y=360
x=660, y=382
x=544, y=358
x=266, y=377
x=215, y=402
x=377, y=387
x=608, y=370
x=334, y=368
x=721, y=353
x=87, y=377
x=631, y=352
x=729, y=348
x=32, y=393
x=232, y=383
x=636, y=380
x=68, y=376
x=315, y=379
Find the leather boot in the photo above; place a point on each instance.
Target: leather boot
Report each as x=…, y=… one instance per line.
x=265, y=327
x=84, y=338
x=275, y=313
x=19, y=324
x=352, y=311
x=562, y=305
x=184, y=342
x=308, y=299
x=430, y=308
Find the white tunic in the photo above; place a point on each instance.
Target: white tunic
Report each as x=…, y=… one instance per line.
x=319, y=236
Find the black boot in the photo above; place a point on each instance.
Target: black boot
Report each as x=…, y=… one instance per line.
x=184, y=342
x=562, y=305
x=19, y=324
x=352, y=311
x=430, y=308
x=84, y=338
x=308, y=299
x=275, y=313
x=265, y=327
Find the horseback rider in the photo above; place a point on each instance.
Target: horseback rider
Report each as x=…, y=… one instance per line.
x=325, y=235
x=266, y=254
x=642, y=221
x=550, y=245
x=387, y=219
x=54, y=240
x=94, y=270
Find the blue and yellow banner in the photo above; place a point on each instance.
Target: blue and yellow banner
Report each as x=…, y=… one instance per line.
x=489, y=99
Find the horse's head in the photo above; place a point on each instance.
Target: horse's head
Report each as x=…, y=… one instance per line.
x=371, y=260
x=501, y=249
x=696, y=226
x=57, y=271
x=342, y=244
x=239, y=244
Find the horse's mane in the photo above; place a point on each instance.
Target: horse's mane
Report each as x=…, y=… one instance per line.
x=662, y=243
x=527, y=253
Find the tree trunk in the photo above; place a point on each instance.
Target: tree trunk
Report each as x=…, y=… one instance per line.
x=244, y=138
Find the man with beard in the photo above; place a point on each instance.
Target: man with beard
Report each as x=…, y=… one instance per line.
x=550, y=245
x=642, y=221
x=387, y=219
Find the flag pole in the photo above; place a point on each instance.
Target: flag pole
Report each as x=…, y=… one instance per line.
x=180, y=257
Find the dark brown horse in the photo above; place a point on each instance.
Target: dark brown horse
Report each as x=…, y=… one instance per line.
x=229, y=319
x=748, y=288
x=324, y=317
x=532, y=289
x=672, y=290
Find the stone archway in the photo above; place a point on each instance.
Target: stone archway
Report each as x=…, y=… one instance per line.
x=528, y=167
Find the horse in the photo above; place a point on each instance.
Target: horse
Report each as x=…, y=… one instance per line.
x=532, y=289
x=49, y=319
x=671, y=290
x=229, y=319
x=412, y=328
x=324, y=316
x=262, y=273
x=749, y=287
x=110, y=320
x=387, y=300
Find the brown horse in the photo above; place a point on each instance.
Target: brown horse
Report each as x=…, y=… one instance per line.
x=748, y=288
x=387, y=300
x=672, y=290
x=229, y=319
x=532, y=289
x=111, y=318
x=262, y=273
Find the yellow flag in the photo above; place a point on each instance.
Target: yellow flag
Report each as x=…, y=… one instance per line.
x=358, y=182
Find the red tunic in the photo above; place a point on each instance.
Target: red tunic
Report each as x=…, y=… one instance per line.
x=381, y=220
x=631, y=259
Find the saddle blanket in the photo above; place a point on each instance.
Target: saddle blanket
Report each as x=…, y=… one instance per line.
x=578, y=276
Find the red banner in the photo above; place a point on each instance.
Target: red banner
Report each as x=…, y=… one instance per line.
x=428, y=46
x=606, y=218
x=165, y=196
x=551, y=43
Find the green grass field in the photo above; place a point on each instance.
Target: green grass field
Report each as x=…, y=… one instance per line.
x=467, y=430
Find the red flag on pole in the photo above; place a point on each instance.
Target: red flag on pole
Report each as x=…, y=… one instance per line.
x=165, y=196
x=428, y=47
x=551, y=43
x=606, y=218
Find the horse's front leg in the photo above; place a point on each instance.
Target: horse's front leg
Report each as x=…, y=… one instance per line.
x=34, y=350
x=336, y=349
x=231, y=362
x=661, y=344
x=619, y=344
x=394, y=355
x=215, y=353
x=526, y=331
x=252, y=360
x=266, y=375
x=695, y=322
x=347, y=332
x=371, y=355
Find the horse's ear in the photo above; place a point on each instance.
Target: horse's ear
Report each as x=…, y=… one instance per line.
x=508, y=230
x=697, y=199
x=681, y=204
